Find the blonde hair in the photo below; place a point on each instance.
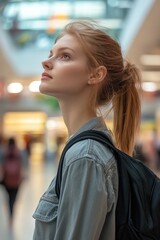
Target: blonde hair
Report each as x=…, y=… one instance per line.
x=121, y=84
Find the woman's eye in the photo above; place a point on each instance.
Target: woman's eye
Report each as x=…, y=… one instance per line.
x=65, y=56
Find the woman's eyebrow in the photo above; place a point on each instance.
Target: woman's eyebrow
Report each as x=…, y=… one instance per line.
x=63, y=48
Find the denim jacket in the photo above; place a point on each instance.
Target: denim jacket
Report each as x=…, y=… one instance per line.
x=88, y=197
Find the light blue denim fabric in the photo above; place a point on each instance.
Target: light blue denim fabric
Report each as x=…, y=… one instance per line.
x=89, y=190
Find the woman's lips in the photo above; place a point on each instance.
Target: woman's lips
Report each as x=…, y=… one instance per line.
x=46, y=76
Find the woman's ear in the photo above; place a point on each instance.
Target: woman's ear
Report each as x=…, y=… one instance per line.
x=97, y=75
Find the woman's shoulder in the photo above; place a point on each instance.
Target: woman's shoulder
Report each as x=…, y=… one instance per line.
x=91, y=150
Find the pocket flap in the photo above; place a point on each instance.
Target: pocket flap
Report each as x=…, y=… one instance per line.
x=46, y=210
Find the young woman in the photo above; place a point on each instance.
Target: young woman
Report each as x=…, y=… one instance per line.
x=85, y=70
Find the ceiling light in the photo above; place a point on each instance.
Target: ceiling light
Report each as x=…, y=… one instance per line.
x=149, y=87
x=15, y=88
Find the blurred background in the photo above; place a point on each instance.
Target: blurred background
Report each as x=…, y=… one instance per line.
x=27, y=32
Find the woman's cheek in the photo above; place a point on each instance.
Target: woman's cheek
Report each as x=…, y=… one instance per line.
x=71, y=71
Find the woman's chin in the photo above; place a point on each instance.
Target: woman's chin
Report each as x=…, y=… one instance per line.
x=41, y=89
x=47, y=92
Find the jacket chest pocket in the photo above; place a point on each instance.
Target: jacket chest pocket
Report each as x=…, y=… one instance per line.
x=47, y=208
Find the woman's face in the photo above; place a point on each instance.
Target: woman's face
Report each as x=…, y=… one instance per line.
x=65, y=71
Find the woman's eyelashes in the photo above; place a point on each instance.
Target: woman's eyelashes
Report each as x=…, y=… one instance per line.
x=63, y=56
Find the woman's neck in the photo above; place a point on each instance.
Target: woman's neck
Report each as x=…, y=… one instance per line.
x=75, y=115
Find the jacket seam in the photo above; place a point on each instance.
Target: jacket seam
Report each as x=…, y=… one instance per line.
x=82, y=158
x=105, y=168
x=89, y=151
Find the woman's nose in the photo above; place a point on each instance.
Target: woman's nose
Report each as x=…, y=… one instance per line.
x=47, y=64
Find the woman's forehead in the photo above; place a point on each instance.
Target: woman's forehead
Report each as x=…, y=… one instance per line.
x=67, y=41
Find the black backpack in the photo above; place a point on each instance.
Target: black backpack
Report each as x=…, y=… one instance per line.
x=138, y=206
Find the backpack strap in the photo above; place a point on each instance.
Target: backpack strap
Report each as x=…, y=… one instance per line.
x=89, y=134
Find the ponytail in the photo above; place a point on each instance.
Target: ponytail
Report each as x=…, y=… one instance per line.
x=127, y=110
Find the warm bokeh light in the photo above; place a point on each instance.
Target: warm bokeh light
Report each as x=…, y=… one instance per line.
x=22, y=122
x=15, y=88
x=34, y=86
x=149, y=86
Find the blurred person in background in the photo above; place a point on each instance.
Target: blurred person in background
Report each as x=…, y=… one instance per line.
x=12, y=172
x=28, y=144
x=84, y=71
